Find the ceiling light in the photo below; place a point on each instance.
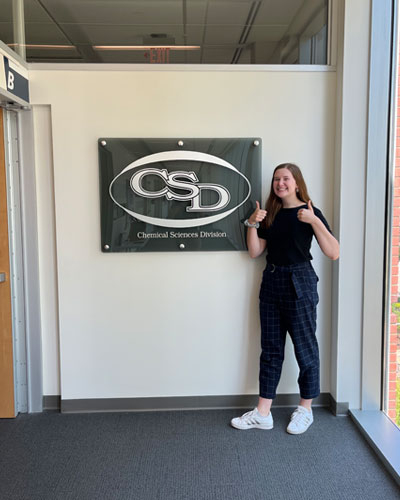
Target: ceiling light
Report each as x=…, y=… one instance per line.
x=146, y=47
x=38, y=46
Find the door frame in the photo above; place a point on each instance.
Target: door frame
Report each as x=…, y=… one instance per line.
x=30, y=259
x=24, y=260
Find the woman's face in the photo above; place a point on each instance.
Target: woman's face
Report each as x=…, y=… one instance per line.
x=284, y=184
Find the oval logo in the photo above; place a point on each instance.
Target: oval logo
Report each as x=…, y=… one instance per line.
x=183, y=190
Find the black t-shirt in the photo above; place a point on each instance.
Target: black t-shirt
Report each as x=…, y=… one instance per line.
x=288, y=239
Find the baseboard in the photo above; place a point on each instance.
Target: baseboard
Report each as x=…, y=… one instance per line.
x=51, y=403
x=338, y=409
x=171, y=403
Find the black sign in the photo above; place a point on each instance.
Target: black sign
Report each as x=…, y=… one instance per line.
x=16, y=83
x=177, y=194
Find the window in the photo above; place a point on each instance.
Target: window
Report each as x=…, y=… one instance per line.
x=171, y=31
x=391, y=393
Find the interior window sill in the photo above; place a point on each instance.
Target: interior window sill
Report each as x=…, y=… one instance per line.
x=383, y=435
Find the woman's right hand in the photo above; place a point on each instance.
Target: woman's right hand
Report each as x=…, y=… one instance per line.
x=258, y=215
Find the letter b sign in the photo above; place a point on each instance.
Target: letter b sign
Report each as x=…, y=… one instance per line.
x=10, y=81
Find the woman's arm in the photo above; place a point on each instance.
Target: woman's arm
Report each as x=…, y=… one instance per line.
x=255, y=245
x=328, y=243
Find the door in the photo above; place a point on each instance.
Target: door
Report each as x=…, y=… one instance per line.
x=7, y=404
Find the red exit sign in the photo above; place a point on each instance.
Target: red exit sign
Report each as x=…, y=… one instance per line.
x=158, y=55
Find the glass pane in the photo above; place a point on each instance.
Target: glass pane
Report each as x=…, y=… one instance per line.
x=177, y=195
x=12, y=27
x=392, y=355
x=177, y=32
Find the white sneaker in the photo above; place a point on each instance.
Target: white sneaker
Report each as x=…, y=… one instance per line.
x=300, y=420
x=253, y=420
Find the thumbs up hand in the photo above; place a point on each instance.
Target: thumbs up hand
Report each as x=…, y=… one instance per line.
x=306, y=214
x=258, y=215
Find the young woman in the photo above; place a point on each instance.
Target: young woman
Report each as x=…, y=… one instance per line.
x=288, y=296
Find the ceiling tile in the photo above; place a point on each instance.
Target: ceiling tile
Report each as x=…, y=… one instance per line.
x=217, y=56
x=6, y=32
x=34, y=12
x=261, y=55
x=120, y=35
x=194, y=34
x=196, y=11
x=51, y=54
x=228, y=12
x=116, y=11
x=216, y=35
x=6, y=11
x=266, y=33
x=245, y=57
x=277, y=11
x=44, y=33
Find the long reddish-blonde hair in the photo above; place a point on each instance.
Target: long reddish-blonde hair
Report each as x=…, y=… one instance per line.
x=274, y=203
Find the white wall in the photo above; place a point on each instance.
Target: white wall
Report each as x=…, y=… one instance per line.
x=128, y=326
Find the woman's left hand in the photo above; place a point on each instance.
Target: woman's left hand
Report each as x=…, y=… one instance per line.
x=307, y=214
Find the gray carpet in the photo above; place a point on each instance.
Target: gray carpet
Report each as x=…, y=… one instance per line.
x=188, y=455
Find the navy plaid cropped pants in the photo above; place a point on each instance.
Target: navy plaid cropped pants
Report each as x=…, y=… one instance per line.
x=288, y=303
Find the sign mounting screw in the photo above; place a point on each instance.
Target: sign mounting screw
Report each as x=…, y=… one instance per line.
x=182, y=246
x=106, y=247
x=256, y=143
x=180, y=143
x=103, y=143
